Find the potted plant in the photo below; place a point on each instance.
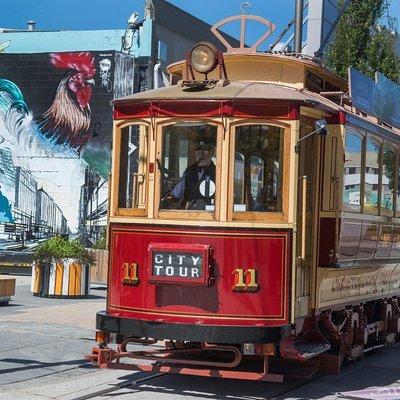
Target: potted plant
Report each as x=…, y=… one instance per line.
x=61, y=268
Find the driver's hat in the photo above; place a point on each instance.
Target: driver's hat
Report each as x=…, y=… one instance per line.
x=204, y=143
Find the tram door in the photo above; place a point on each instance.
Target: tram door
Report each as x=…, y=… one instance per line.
x=307, y=178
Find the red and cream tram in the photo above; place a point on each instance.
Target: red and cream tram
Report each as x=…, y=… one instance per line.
x=244, y=241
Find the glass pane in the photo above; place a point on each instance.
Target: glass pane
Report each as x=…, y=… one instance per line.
x=385, y=242
x=131, y=164
x=395, y=253
x=349, y=241
x=258, y=168
x=388, y=177
x=352, y=172
x=371, y=191
x=368, y=242
x=188, y=167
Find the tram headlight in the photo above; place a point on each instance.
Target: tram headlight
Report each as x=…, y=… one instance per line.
x=204, y=57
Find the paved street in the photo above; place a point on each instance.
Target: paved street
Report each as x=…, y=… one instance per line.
x=42, y=357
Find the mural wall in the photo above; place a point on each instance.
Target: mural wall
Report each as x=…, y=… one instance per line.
x=55, y=141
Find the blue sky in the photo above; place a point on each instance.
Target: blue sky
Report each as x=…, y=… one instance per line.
x=106, y=14
x=109, y=14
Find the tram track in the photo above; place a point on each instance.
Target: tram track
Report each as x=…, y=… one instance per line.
x=144, y=378
x=285, y=391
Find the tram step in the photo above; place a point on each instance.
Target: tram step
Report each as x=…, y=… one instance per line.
x=309, y=350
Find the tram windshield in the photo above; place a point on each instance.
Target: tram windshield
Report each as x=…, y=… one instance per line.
x=188, y=166
x=132, y=167
x=258, y=168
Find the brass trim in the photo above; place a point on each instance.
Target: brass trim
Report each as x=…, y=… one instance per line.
x=203, y=316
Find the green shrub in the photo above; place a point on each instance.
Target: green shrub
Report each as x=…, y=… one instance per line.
x=100, y=243
x=57, y=248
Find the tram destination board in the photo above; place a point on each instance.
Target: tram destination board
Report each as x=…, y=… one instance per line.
x=171, y=263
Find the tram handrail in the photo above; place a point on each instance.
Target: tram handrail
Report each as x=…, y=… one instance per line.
x=303, y=216
x=137, y=179
x=135, y=199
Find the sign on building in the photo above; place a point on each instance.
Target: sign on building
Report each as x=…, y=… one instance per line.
x=379, y=98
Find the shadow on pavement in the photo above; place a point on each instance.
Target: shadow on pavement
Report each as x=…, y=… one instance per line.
x=28, y=364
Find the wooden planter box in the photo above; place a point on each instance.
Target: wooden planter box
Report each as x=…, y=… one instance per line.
x=65, y=279
x=99, y=271
x=7, y=289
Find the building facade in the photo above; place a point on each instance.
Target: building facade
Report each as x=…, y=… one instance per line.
x=56, y=118
x=319, y=20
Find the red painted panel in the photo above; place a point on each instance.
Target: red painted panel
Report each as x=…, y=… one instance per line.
x=326, y=240
x=342, y=118
x=227, y=109
x=208, y=108
x=294, y=112
x=122, y=111
x=250, y=110
x=185, y=108
x=265, y=251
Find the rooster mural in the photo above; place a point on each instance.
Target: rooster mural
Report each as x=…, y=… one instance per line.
x=67, y=121
x=49, y=145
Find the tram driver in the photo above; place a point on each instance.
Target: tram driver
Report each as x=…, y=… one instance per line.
x=196, y=188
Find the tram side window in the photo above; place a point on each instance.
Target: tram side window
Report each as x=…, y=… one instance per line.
x=188, y=167
x=258, y=168
x=372, y=169
x=388, y=179
x=352, y=172
x=132, y=167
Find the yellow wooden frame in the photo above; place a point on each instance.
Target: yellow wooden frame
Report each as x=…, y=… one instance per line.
x=188, y=214
x=379, y=142
x=223, y=213
x=385, y=211
x=362, y=135
x=143, y=168
x=263, y=216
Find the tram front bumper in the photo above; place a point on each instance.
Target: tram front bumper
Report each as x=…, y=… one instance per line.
x=189, y=332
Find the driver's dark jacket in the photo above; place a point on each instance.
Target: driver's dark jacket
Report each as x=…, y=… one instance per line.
x=192, y=181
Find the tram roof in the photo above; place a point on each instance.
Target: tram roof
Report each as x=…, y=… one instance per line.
x=239, y=90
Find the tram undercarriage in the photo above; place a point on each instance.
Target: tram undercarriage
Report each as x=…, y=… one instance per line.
x=322, y=344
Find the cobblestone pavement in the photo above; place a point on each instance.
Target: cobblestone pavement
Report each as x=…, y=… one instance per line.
x=44, y=342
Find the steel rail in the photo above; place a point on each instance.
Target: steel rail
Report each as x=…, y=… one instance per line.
x=285, y=392
x=279, y=395
x=102, y=392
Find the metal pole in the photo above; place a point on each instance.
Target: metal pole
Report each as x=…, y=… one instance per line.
x=298, y=35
